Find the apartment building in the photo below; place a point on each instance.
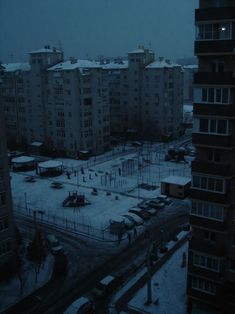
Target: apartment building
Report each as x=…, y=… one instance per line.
x=15, y=100
x=117, y=73
x=145, y=96
x=211, y=265
x=7, y=228
x=61, y=105
x=162, y=105
x=78, y=115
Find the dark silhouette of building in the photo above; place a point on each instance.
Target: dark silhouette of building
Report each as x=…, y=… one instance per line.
x=211, y=265
x=7, y=227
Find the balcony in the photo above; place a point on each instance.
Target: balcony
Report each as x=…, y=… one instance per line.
x=202, y=166
x=214, y=78
x=214, y=110
x=203, y=272
x=210, y=47
x=208, y=196
x=208, y=223
x=214, y=14
x=209, y=140
x=207, y=247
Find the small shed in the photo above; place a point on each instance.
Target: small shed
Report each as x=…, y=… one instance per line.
x=50, y=168
x=176, y=186
x=117, y=225
x=23, y=163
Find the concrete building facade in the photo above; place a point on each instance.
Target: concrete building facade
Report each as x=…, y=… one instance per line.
x=211, y=265
x=7, y=226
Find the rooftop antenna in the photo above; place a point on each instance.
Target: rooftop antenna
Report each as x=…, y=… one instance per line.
x=150, y=44
x=11, y=56
x=60, y=46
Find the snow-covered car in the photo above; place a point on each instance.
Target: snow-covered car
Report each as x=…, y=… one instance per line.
x=52, y=241
x=140, y=212
x=81, y=306
x=152, y=211
x=164, y=199
x=105, y=287
x=134, y=218
x=156, y=204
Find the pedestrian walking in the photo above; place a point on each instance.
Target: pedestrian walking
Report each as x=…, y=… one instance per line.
x=135, y=232
x=129, y=237
x=75, y=173
x=119, y=238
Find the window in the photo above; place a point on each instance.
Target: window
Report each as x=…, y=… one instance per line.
x=213, y=126
x=214, y=155
x=219, y=95
x=232, y=264
x=205, y=261
x=2, y=198
x=215, y=31
x=209, y=184
x=209, y=235
x=203, y=285
x=3, y=224
x=208, y=210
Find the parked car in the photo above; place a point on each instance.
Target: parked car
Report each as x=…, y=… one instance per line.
x=105, y=287
x=152, y=211
x=81, y=306
x=164, y=199
x=134, y=218
x=156, y=204
x=52, y=241
x=144, y=206
x=140, y=212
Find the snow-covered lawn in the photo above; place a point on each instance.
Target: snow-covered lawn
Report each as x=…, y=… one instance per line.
x=168, y=286
x=10, y=291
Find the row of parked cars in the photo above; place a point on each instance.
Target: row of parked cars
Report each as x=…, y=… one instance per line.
x=137, y=215
x=103, y=290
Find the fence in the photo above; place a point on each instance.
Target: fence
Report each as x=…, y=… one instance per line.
x=40, y=216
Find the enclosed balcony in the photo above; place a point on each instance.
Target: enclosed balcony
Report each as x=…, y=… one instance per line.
x=209, y=140
x=214, y=110
x=208, y=223
x=217, y=169
x=215, y=14
x=214, y=78
x=208, y=196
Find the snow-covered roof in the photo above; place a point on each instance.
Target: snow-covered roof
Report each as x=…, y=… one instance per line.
x=162, y=64
x=68, y=65
x=176, y=180
x=75, y=306
x=36, y=144
x=118, y=219
x=106, y=281
x=116, y=65
x=139, y=50
x=191, y=66
x=17, y=66
x=22, y=160
x=46, y=50
x=50, y=164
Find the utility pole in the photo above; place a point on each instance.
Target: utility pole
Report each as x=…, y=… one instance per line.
x=149, y=275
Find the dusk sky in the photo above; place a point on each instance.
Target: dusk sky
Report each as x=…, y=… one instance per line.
x=91, y=28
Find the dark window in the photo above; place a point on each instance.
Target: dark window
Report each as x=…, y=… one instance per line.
x=203, y=125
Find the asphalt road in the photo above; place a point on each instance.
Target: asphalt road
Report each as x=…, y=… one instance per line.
x=90, y=261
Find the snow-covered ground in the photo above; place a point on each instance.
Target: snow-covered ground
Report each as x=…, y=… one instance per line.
x=168, y=286
x=119, y=175
x=13, y=291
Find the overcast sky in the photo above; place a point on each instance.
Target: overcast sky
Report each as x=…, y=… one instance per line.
x=91, y=28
